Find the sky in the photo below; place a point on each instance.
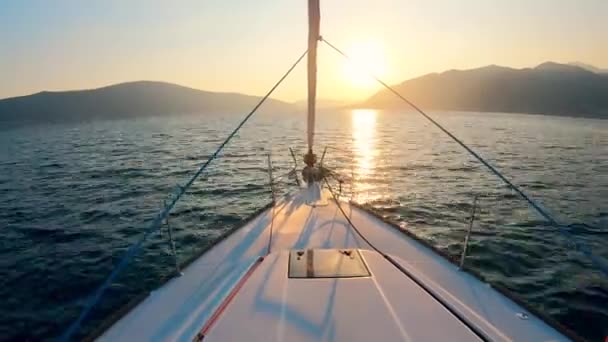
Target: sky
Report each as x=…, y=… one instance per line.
x=245, y=45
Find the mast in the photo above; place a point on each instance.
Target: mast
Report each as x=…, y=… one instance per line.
x=314, y=19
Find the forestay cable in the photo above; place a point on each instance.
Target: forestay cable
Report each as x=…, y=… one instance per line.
x=597, y=261
x=163, y=214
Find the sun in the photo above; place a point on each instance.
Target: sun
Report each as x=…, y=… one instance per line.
x=366, y=58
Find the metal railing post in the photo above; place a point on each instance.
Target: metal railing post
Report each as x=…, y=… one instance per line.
x=466, y=238
x=270, y=179
x=323, y=156
x=295, y=166
x=172, y=245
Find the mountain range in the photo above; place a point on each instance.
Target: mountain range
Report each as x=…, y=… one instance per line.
x=133, y=99
x=574, y=89
x=550, y=88
x=589, y=67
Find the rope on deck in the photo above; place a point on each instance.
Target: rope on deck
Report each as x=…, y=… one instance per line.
x=600, y=263
x=162, y=215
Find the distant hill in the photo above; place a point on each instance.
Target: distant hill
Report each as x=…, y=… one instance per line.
x=550, y=88
x=134, y=99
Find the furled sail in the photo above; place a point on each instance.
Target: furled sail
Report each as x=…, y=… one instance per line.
x=314, y=19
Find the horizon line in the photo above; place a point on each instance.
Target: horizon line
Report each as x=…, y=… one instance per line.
x=578, y=64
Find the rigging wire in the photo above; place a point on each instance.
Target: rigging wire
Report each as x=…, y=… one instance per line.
x=601, y=264
x=162, y=215
x=274, y=202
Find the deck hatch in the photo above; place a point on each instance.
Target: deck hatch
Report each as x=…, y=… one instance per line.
x=326, y=263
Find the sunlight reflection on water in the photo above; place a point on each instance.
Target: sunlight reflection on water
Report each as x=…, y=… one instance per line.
x=364, y=149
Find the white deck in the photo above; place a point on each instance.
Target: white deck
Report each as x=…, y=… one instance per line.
x=269, y=306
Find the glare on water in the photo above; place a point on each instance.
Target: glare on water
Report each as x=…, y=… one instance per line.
x=364, y=145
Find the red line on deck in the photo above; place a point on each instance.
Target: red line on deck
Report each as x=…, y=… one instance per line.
x=222, y=307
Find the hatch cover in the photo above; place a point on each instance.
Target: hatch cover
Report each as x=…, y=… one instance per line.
x=326, y=263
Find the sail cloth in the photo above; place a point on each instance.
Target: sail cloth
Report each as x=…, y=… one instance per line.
x=314, y=19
